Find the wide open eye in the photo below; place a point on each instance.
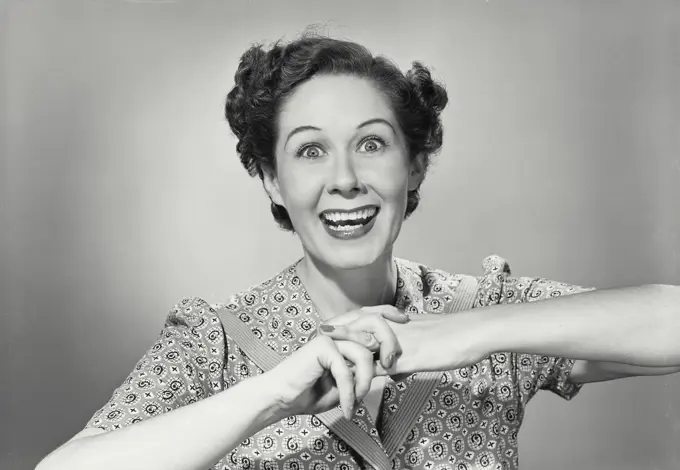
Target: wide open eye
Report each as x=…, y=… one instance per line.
x=310, y=151
x=371, y=144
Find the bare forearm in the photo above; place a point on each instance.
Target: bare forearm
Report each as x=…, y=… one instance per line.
x=638, y=326
x=192, y=437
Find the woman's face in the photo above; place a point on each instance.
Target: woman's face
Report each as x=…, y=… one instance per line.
x=343, y=171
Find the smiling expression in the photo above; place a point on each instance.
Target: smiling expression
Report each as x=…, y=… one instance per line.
x=342, y=170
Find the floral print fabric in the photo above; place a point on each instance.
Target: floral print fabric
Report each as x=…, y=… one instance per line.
x=471, y=419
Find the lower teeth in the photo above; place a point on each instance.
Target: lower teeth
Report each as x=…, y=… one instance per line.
x=344, y=228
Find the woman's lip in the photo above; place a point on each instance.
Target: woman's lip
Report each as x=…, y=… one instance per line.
x=325, y=220
x=353, y=234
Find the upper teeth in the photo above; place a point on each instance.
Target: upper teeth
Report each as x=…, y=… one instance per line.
x=338, y=216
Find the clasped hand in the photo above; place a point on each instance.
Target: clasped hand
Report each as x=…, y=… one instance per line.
x=374, y=329
x=340, y=362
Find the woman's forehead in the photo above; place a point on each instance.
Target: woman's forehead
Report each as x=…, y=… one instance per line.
x=334, y=102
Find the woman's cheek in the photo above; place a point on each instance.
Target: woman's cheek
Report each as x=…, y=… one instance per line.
x=302, y=189
x=389, y=182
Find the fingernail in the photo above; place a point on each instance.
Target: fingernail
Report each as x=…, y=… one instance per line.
x=390, y=360
x=327, y=328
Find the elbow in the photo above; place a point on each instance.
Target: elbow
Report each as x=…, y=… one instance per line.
x=49, y=462
x=55, y=460
x=44, y=464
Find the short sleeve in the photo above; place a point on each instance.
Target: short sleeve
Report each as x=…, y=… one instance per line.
x=183, y=366
x=532, y=372
x=544, y=372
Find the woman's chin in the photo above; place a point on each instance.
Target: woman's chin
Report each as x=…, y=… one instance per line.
x=351, y=253
x=347, y=258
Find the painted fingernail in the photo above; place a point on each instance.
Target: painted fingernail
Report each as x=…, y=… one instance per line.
x=327, y=328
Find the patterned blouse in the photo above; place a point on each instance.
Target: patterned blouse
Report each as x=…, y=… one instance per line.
x=464, y=419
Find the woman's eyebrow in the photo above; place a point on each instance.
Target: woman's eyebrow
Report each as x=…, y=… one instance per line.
x=376, y=121
x=299, y=129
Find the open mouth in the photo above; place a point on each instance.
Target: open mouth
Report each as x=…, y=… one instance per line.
x=342, y=221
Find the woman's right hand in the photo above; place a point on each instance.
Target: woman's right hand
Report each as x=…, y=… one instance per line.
x=317, y=377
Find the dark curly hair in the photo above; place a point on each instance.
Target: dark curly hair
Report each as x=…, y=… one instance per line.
x=266, y=77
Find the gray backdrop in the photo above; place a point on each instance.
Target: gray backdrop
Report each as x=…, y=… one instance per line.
x=121, y=191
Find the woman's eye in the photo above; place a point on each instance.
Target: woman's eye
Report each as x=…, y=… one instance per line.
x=310, y=151
x=371, y=145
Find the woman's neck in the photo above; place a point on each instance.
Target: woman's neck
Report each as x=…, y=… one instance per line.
x=335, y=292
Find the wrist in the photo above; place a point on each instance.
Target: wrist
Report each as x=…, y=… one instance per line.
x=423, y=341
x=434, y=342
x=262, y=394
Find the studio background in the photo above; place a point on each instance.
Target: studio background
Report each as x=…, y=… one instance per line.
x=121, y=191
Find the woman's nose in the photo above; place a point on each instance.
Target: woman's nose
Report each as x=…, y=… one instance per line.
x=344, y=178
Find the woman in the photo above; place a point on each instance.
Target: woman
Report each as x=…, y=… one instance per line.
x=341, y=141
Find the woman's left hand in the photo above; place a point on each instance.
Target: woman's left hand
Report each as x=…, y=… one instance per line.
x=370, y=327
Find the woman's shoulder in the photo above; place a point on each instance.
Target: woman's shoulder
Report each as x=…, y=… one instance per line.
x=433, y=289
x=494, y=285
x=492, y=265
x=196, y=312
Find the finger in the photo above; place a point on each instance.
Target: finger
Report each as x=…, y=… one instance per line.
x=378, y=370
x=389, y=312
x=380, y=330
x=373, y=333
x=332, y=360
x=362, y=360
x=346, y=333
